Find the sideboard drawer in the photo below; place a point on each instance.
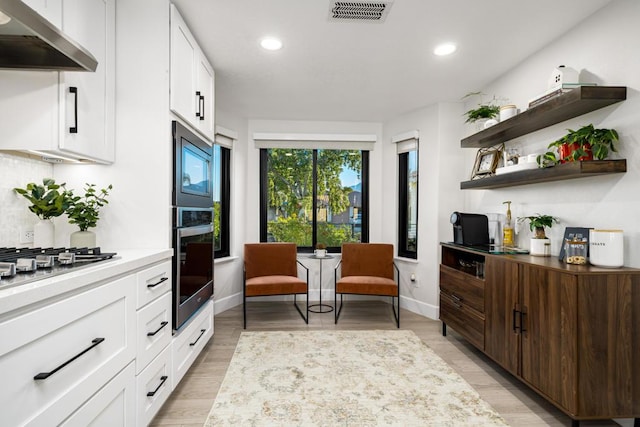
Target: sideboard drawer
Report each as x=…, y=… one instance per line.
x=53, y=358
x=464, y=319
x=463, y=287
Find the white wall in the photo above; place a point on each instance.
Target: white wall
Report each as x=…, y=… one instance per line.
x=17, y=171
x=439, y=176
x=604, y=48
x=139, y=211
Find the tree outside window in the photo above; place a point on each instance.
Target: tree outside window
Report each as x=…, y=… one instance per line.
x=221, y=200
x=408, y=204
x=313, y=196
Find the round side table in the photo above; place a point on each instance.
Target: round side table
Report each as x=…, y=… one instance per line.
x=320, y=307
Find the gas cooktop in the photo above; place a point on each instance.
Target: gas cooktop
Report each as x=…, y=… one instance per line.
x=19, y=266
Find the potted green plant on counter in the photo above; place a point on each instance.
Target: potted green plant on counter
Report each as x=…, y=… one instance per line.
x=539, y=242
x=84, y=212
x=583, y=144
x=48, y=200
x=321, y=250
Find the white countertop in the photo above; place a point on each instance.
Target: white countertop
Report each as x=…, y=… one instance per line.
x=17, y=297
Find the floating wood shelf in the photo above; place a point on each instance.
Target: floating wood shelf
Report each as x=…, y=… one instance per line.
x=569, y=170
x=574, y=103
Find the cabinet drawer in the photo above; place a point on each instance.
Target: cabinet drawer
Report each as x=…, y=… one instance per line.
x=463, y=287
x=153, y=387
x=81, y=342
x=152, y=283
x=463, y=319
x=187, y=345
x=113, y=405
x=154, y=330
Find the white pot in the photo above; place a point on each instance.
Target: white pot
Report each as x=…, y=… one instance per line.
x=540, y=247
x=606, y=248
x=43, y=233
x=321, y=253
x=83, y=239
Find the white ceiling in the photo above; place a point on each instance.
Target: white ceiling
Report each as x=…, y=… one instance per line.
x=363, y=71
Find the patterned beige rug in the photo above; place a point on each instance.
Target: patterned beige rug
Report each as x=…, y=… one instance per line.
x=344, y=378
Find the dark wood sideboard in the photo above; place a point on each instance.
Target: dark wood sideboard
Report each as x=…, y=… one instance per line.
x=571, y=333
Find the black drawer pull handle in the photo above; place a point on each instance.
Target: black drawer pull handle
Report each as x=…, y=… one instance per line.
x=456, y=305
x=45, y=375
x=162, y=325
x=516, y=313
x=74, y=128
x=198, y=103
x=153, y=285
x=456, y=297
x=202, y=331
x=162, y=381
x=201, y=107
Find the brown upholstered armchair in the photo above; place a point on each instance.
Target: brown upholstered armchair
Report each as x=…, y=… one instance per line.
x=271, y=269
x=367, y=269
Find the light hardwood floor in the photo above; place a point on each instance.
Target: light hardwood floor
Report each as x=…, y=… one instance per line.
x=191, y=401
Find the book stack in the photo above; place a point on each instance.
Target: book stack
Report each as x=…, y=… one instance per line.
x=555, y=91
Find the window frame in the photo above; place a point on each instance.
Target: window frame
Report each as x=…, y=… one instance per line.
x=364, y=233
x=403, y=202
x=225, y=202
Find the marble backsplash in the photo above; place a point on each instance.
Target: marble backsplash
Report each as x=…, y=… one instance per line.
x=16, y=171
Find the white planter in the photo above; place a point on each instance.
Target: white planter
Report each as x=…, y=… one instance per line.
x=83, y=239
x=540, y=247
x=321, y=253
x=43, y=234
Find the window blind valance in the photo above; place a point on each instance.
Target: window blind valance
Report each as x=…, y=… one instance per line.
x=225, y=137
x=359, y=142
x=407, y=141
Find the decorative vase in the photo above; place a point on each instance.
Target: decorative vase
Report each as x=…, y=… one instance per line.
x=43, y=233
x=321, y=253
x=540, y=247
x=83, y=239
x=606, y=248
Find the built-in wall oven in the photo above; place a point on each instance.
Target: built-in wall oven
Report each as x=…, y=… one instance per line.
x=193, y=238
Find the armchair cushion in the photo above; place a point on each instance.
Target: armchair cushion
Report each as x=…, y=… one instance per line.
x=274, y=285
x=367, y=285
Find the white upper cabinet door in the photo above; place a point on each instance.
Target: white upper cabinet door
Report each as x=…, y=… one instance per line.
x=192, y=79
x=88, y=122
x=184, y=52
x=206, y=106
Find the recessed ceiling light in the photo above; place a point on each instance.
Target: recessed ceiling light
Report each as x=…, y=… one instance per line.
x=4, y=19
x=445, y=49
x=271, y=43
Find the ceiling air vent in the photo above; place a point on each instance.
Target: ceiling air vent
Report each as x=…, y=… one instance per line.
x=372, y=11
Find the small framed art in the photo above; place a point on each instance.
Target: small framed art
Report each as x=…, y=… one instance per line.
x=486, y=162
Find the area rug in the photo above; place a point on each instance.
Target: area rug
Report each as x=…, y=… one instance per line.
x=344, y=378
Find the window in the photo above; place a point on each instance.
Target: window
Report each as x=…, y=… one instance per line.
x=408, y=200
x=221, y=199
x=314, y=196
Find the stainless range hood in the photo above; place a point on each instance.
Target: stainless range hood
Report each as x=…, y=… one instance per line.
x=29, y=41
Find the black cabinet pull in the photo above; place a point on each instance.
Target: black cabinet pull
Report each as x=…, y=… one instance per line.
x=162, y=381
x=522, y=314
x=456, y=297
x=45, y=375
x=202, y=331
x=198, y=103
x=201, y=100
x=515, y=314
x=74, y=128
x=162, y=325
x=153, y=285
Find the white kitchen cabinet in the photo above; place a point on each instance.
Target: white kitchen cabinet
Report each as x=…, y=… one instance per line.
x=153, y=387
x=113, y=405
x=54, y=358
x=154, y=337
x=192, y=79
x=190, y=341
x=68, y=114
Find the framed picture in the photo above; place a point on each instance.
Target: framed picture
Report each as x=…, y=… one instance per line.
x=571, y=233
x=486, y=162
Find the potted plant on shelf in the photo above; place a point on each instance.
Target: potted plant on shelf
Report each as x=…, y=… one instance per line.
x=84, y=211
x=484, y=112
x=539, y=242
x=321, y=250
x=48, y=200
x=583, y=144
